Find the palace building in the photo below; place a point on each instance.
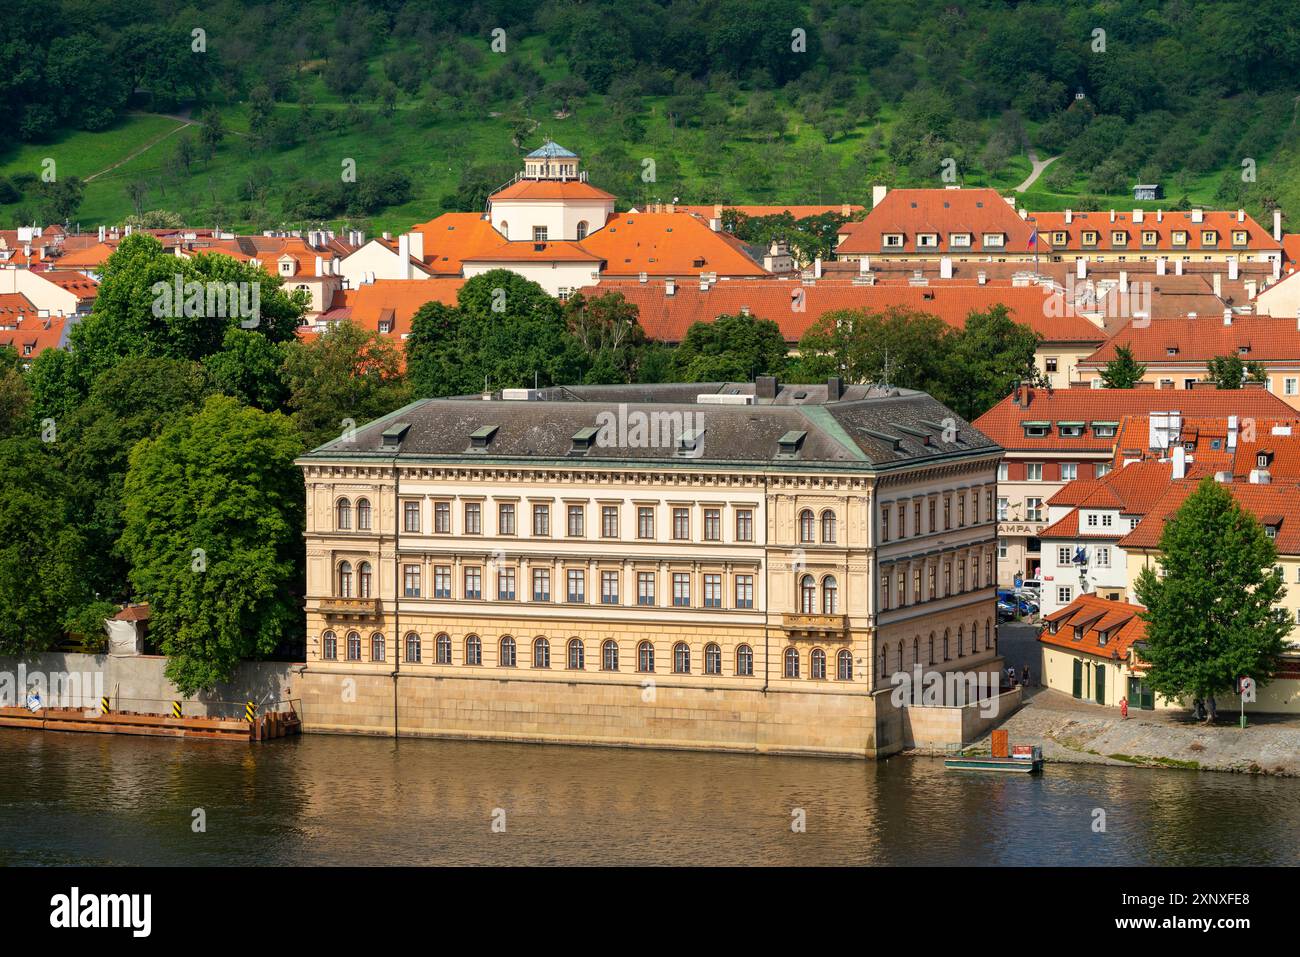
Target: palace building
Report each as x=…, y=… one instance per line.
x=735, y=566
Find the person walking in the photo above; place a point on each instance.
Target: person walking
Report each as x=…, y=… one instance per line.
x=1024, y=676
x=1123, y=708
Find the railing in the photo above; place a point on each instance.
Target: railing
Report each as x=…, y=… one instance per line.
x=830, y=626
x=348, y=606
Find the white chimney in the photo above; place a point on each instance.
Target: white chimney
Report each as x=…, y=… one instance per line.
x=1024, y=211
x=1249, y=285
x=1260, y=477
x=1179, y=465
x=1227, y=317
x=1241, y=215
x=817, y=268
x=1218, y=285
x=1198, y=214
x=1081, y=268
x=404, y=256
x=1178, y=267
x=1160, y=265
x=863, y=266
x=102, y=232
x=1112, y=215
x=1160, y=215
x=1234, y=269
x=1069, y=216
x=1232, y=432
x=670, y=287
x=878, y=194
x=1137, y=215
x=983, y=277
x=945, y=267
x=715, y=224
x=1123, y=280
x=320, y=266
x=1277, y=225
x=417, y=245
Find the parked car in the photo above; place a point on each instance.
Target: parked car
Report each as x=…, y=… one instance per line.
x=1005, y=611
x=1020, y=603
x=1031, y=588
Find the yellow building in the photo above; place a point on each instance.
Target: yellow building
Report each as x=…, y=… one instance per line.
x=733, y=566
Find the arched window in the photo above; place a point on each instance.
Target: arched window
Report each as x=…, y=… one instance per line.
x=363, y=580
x=577, y=655
x=961, y=641
x=806, y=524
x=345, y=580
x=900, y=655
x=807, y=595
x=377, y=650
x=828, y=527
x=974, y=637
x=884, y=664
x=329, y=646
x=645, y=657
x=792, y=662
x=473, y=650
x=989, y=637
x=844, y=665
x=354, y=646
x=745, y=660
x=947, y=651
x=582, y=230
x=931, y=661
x=343, y=515
x=413, y=648
x=609, y=656
x=507, y=658
x=442, y=649
x=541, y=653
x=830, y=595
x=817, y=665
x=916, y=650
x=712, y=659
x=681, y=658
x=363, y=514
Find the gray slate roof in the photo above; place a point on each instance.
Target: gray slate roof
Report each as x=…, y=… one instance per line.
x=870, y=428
x=551, y=150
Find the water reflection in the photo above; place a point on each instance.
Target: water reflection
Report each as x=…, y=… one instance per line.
x=334, y=800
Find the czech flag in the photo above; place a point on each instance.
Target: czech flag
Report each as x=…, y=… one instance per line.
x=1033, y=237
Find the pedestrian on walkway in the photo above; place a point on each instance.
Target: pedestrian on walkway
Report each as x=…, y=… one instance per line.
x=1123, y=708
x=1024, y=676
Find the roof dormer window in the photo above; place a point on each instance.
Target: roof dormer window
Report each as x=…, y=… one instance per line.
x=927, y=240
x=994, y=240
x=959, y=240
x=1037, y=430
x=1118, y=238
x=1150, y=237
x=1209, y=237
x=892, y=240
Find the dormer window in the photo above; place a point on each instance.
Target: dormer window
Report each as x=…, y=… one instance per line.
x=959, y=240
x=1171, y=350
x=1070, y=430
x=1104, y=430
x=1058, y=239
x=927, y=240
x=1089, y=237
x=1150, y=237
x=1270, y=531
x=1239, y=237
x=1209, y=237
x=892, y=240
x=1037, y=430
x=1263, y=459
x=1178, y=237
x=1118, y=238
x=994, y=240
x=1243, y=350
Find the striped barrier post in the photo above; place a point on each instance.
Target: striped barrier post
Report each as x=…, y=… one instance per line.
x=176, y=709
x=103, y=705
x=250, y=711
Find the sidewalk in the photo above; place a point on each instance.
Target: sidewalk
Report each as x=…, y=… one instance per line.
x=1076, y=732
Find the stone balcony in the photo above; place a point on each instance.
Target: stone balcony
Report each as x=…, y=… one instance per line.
x=348, y=608
x=832, y=627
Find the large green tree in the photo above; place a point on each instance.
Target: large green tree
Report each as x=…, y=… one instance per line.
x=504, y=331
x=607, y=328
x=1123, y=371
x=898, y=346
x=345, y=377
x=213, y=532
x=15, y=396
x=730, y=349
x=1212, y=614
x=990, y=355
x=1230, y=372
x=40, y=548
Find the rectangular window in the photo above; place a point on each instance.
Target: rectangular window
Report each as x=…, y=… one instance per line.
x=744, y=591
x=541, y=584
x=1034, y=472
x=577, y=579
x=916, y=518
x=1064, y=555
x=473, y=582
x=1002, y=509
x=1103, y=556
x=916, y=587
x=577, y=521
x=411, y=581
x=681, y=524
x=539, y=234
x=609, y=588
x=1004, y=470
x=1002, y=548
x=441, y=581
x=712, y=525
x=884, y=523
x=744, y=525
x=645, y=588
x=506, y=518
x=442, y=518
x=1050, y=363
x=947, y=512
x=541, y=520
x=902, y=591
x=473, y=518
x=681, y=589
x=931, y=582
x=506, y=584
x=1069, y=471
x=609, y=521
x=712, y=591
x=1063, y=594
x=1033, y=509
x=902, y=522
x=411, y=516
x=884, y=591
x=961, y=510
x=645, y=522
x=1290, y=386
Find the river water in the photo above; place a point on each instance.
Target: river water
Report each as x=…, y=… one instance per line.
x=317, y=799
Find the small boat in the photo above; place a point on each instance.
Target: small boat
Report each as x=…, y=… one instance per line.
x=1024, y=759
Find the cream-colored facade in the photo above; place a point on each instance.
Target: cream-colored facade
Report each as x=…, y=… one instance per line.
x=674, y=604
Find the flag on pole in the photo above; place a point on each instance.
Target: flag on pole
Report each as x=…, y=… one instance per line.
x=1033, y=237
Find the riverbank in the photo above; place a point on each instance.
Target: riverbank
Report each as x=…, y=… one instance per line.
x=1070, y=732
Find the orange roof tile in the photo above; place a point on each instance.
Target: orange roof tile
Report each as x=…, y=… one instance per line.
x=545, y=189
x=1277, y=502
x=1222, y=222
x=1080, y=625
x=524, y=251
x=666, y=244
x=668, y=317
x=1198, y=340
x=910, y=212
x=397, y=301
x=452, y=238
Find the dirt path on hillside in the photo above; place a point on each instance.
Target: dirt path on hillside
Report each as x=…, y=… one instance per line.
x=1037, y=171
x=185, y=122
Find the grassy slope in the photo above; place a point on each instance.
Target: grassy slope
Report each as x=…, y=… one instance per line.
x=433, y=149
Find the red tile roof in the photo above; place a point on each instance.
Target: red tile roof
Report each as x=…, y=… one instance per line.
x=452, y=238
x=28, y=333
x=397, y=300
x=1089, y=617
x=1201, y=339
x=1207, y=437
x=667, y=244
x=1223, y=222
x=528, y=189
x=525, y=251
x=1131, y=490
x=941, y=211
x=1003, y=422
x=668, y=317
x=1277, y=503
x=81, y=286
x=1291, y=248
